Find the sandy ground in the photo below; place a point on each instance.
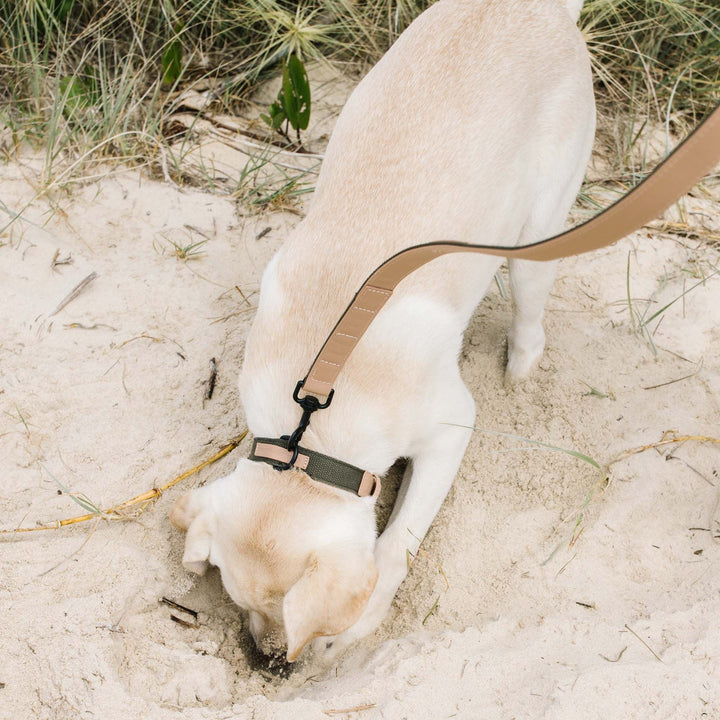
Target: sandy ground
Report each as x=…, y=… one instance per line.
x=540, y=592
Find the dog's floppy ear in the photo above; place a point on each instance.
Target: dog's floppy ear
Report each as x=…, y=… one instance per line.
x=185, y=510
x=188, y=514
x=328, y=598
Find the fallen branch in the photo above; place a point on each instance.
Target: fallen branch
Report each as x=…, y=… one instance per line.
x=116, y=511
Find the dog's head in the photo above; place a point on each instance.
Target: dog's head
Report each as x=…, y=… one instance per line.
x=296, y=554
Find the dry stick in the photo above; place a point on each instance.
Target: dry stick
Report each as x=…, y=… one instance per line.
x=357, y=708
x=211, y=379
x=670, y=382
x=665, y=441
x=177, y=606
x=657, y=657
x=74, y=293
x=113, y=513
x=184, y=623
x=620, y=654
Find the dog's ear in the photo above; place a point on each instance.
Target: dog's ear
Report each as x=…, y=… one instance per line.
x=328, y=598
x=184, y=510
x=188, y=514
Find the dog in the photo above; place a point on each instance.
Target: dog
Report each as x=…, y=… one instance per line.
x=477, y=126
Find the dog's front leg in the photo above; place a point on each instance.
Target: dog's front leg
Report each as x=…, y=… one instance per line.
x=427, y=480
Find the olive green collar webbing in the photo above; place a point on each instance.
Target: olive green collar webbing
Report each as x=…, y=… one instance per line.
x=323, y=468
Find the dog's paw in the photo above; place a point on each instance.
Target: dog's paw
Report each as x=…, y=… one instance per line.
x=519, y=366
x=328, y=649
x=524, y=353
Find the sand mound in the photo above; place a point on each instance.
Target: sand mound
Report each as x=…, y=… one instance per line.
x=540, y=593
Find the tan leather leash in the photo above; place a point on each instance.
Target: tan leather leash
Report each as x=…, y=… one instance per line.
x=683, y=168
x=677, y=174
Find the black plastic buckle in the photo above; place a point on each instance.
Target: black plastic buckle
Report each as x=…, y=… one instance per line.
x=309, y=405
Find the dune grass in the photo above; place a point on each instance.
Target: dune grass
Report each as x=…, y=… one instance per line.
x=657, y=67
x=659, y=54
x=89, y=80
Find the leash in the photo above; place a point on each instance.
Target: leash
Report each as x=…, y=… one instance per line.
x=695, y=157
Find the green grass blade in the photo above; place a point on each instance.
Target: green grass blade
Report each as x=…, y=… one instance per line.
x=84, y=502
x=546, y=446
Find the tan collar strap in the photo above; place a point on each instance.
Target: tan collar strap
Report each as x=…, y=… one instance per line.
x=676, y=175
x=318, y=466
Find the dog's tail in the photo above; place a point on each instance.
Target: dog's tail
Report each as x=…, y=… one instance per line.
x=574, y=7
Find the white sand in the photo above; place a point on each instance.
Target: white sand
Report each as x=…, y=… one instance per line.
x=622, y=624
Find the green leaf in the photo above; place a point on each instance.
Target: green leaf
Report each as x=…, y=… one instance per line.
x=295, y=93
x=276, y=116
x=293, y=100
x=82, y=500
x=78, y=92
x=301, y=91
x=172, y=61
x=61, y=8
x=288, y=98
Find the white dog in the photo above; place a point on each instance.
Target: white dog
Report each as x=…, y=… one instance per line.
x=476, y=126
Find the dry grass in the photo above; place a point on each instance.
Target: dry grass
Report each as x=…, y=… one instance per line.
x=88, y=80
x=122, y=511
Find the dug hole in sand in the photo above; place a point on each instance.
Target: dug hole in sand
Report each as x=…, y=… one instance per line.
x=540, y=592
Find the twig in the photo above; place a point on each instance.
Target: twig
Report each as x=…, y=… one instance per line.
x=225, y=318
x=657, y=657
x=177, y=606
x=242, y=294
x=94, y=326
x=689, y=466
x=668, y=438
x=211, y=379
x=184, y=623
x=670, y=382
x=144, y=336
x=115, y=512
x=198, y=231
x=74, y=293
x=57, y=260
x=620, y=654
x=357, y=708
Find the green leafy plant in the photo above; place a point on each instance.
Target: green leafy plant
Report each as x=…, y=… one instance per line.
x=93, y=79
x=292, y=107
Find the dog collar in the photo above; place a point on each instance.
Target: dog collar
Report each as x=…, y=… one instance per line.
x=322, y=468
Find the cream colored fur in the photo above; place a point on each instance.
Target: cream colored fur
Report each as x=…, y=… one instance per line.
x=476, y=126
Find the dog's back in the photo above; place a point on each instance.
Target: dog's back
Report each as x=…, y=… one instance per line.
x=475, y=126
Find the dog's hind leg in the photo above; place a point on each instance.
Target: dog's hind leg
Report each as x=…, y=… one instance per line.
x=530, y=283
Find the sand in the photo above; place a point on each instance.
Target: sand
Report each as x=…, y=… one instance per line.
x=541, y=591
